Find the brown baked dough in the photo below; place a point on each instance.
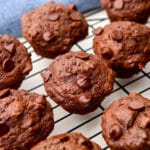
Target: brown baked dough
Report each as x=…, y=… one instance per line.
x=15, y=62
x=67, y=141
x=25, y=119
x=125, y=45
x=126, y=123
x=78, y=81
x=52, y=29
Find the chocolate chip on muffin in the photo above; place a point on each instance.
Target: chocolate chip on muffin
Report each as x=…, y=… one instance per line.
x=52, y=29
x=126, y=123
x=25, y=119
x=125, y=45
x=67, y=141
x=78, y=81
x=128, y=10
x=15, y=62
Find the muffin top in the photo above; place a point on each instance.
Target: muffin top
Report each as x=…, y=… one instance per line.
x=126, y=45
x=68, y=141
x=25, y=119
x=15, y=62
x=78, y=81
x=53, y=28
x=126, y=123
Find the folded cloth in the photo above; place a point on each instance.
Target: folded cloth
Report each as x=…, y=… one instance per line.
x=12, y=10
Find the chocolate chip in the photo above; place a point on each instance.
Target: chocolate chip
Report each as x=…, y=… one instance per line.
x=118, y=4
x=86, y=143
x=4, y=93
x=72, y=7
x=107, y=53
x=98, y=31
x=83, y=82
x=117, y=35
x=64, y=139
x=75, y=16
x=83, y=55
x=47, y=36
x=115, y=132
x=10, y=47
x=8, y=65
x=84, y=100
x=136, y=105
x=126, y=116
x=4, y=129
x=53, y=16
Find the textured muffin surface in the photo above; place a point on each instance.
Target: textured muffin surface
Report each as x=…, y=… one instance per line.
x=52, y=29
x=67, y=141
x=131, y=10
x=15, y=62
x=78, y=81
x=126, y=123
x=25, y=119
x=126, y=46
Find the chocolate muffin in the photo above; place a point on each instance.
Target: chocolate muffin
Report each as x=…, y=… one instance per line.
x=15, y=62
x=126, y=123
x=78, y=81
x=67, y=141
x=25, y=119
x=128, y=10
x=52, y=29
x=126, y=46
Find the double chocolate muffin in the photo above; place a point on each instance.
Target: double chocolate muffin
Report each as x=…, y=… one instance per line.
x=52, y=29
x=78, y=81
x=25, y=119
x=125, y=45
x=15, y=62
x=67, y=141
x=126, y=123
x=131, y=10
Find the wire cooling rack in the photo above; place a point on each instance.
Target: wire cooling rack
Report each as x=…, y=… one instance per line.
x=89, y=124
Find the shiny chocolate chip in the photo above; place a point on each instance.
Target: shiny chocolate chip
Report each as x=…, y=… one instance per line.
x=4, y=129
x=83, y=55
x=53, y=16
x=84, y=100
x=83, y=82
x=136, y=105
x=115, y=132
x=47, y=36
x=10, y=47
x=107, y=53
x=118, y=4
x=117, y=35
x=75, y=16
x=8, y=65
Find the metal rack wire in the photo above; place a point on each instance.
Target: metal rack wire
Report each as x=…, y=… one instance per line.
x=89, y=124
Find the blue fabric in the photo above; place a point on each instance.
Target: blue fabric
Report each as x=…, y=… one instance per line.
x=11, y=12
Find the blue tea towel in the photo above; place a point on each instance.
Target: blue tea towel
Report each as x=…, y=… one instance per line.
x=12, y=10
